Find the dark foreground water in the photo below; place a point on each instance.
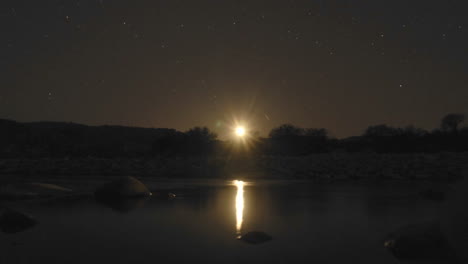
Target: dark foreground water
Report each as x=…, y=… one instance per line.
x=309, y=223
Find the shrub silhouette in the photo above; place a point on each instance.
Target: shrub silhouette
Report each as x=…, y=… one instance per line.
x=286, y=130
x=200, y=140
x=288, y=139
x=450, y=122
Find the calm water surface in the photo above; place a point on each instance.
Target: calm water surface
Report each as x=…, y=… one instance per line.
x=309, y=222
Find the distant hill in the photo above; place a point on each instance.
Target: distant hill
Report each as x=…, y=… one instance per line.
x=63, y=139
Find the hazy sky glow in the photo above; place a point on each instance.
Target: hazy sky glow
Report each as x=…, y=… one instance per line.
x=342, y=65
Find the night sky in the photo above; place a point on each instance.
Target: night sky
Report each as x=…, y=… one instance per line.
x=342, y=65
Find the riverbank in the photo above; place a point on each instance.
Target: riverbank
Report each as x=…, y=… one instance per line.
x=439, y=166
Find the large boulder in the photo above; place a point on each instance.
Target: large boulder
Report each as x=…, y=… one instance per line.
x=12, y=221
x=255, y=237
x=420, y=242
x=124, y=205
x=126, y=187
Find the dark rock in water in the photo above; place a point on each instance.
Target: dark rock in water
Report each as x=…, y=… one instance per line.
x=255, y=237
x=420, y=242
x=32, y=190
x=126, y=187
x=124, y=205
x=164, y=195
x=433, y=195
x=48, y=186
x=12, y=221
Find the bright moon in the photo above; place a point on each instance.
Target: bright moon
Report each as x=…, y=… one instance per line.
x=240, y=131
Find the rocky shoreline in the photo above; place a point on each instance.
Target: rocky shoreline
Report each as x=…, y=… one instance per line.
x=439, y=166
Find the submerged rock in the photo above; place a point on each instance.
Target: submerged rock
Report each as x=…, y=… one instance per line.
x=164, y=195
x=420, y=242
x=12, y=221
x=48, y=186
x=432, y=195
x=255, y=237
x=32, y=190
x=127, y=187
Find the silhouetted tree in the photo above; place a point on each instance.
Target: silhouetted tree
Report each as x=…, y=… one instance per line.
x=316, y=132
x=200, y=140
x=384, y=138
x=381, y=131
x=201, y=134
x=450, y=122
x=172, y=143
x=291, y=140
x=286, y=130
x=316, y=140
x=411, y=131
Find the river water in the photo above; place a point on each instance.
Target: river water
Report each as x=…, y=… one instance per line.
x=309, y=222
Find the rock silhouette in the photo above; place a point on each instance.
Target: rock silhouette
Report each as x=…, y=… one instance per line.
x=124, y=205
x=12, y=221
x=126, y=187
x=255, y=237
x=420, y=242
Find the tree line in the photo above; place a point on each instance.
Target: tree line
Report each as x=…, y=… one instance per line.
x=449, y=136
x=59, y=139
